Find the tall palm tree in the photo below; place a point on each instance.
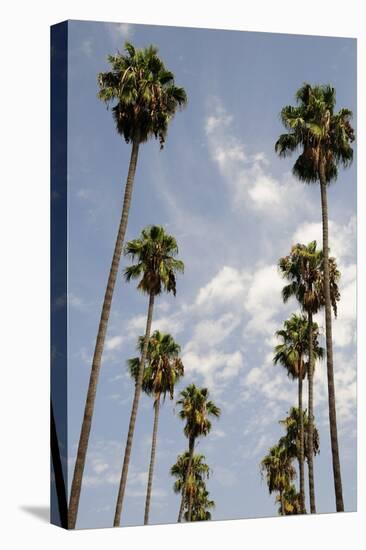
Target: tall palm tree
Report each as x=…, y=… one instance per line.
x=201, y=505
x=324, y=138
x=304, y=269
x=156, y=266
x=292, y=437
x=162, y=372
x=195, y=410
x=199, y=472
x=290, y=353
x=291, y=440
x=144, y=99
x=279, y=472
x=291, y=501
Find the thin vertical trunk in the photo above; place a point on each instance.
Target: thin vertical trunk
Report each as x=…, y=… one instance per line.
x=190, y=506
x=99, y=345
x=329, y=347
x=190, y=459
x=152, y=460
x=58, y=473
x=131, y=427
x=310, y=438
x=301, y=457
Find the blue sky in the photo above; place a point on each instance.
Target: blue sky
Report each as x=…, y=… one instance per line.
x=234, y=209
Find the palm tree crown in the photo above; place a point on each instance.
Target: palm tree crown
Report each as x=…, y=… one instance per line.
x=201, y=505
x=196, y=410
x=278, y=469
x=143, y=93
x=323, y=135
x=291, y=440
x=290, y=353
x=304, y=270
x=164, y=367
x=199, y=471
x=295, y=345
x=155, y=253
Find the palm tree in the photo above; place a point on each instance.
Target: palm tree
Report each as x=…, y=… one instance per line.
x=291, y=501
x=199, y=472
x=201, y=505
x=156, y=266
x=195, y=410
x=279, y=472
x=304, y=269
x=290, y=353
x=162, y=372
x=324, y=138
x=145, y=100
x=292, y=437
x=291, y=440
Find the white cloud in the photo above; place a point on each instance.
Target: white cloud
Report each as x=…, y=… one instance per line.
x=342, y=238
x=119, y=32
x=87, y=47
x=247, y=176
x=215, y=367
x=263, y=300
x=113, y=343
x=212, y=332
x=227, y=286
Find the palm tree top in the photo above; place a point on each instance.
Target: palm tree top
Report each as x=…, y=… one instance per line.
x=292, y=426
x=304, y=269
x=199, y=469
x=143, y=93
x=277, y=468
x=156, y=265
x=164, y=367
x=196, y=409
x=295, y=343
x=322, y=134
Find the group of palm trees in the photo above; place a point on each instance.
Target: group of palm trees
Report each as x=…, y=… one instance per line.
x=144, y=100
x=324, y=138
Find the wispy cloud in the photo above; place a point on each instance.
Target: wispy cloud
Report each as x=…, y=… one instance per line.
x=247, y=175
x=119, y=32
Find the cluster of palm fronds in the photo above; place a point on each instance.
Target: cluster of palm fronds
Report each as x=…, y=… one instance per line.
x=324, y=138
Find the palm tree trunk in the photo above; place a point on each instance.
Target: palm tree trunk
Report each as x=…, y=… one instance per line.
x=311, y=418
x=58, y=473
x=99, y=345
x=152, y=460
x=190, y=505
x=190, y=459
x=329, y=346
x=301, y=457
x=131, y=427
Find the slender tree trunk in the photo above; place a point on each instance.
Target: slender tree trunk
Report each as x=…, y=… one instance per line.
x=190, y=505
x=131, y=427
x=99, y=345
x=311, y=418
x=152, y=460
x=329, y=346
x=301, y=457
x=190, y=459
x=58, y=473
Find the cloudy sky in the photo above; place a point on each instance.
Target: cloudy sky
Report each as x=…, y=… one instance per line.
x=234, y=209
